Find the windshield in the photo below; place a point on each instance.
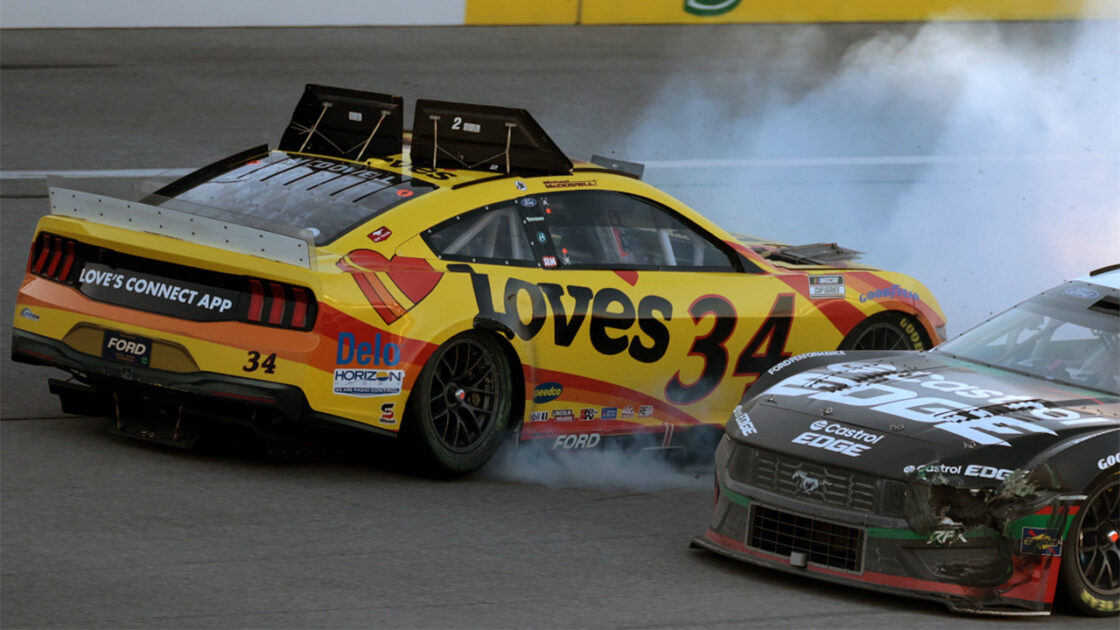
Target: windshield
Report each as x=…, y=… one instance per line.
x=1070, y=335
x=326, y=197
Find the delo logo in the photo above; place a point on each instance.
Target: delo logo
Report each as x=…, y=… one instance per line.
x=350, y=350
x=576, y=441
x=546, y=392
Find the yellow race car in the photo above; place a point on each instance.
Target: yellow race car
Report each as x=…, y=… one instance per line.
x=470, y=284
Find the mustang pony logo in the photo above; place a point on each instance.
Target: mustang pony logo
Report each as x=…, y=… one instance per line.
x=392, y=285
x=808, y=484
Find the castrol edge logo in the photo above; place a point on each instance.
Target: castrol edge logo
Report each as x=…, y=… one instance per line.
x=837, y=438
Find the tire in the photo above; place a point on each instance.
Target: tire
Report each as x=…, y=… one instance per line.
x=460, y=406
x=887, y=331
x=1090, y=572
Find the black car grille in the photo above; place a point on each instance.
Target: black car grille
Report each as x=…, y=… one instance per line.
x=824, y=543
x=806, y=480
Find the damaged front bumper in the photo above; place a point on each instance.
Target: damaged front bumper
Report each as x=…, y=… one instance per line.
x=864, y=531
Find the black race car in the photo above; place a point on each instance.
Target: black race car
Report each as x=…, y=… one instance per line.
x=984, y=473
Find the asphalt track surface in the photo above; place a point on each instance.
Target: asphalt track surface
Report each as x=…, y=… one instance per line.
x=98, y=531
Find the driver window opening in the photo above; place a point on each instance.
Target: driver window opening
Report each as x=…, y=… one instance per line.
x=608, y=229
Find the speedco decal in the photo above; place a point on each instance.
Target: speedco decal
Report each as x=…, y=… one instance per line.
x=966, y=418
x=829, y=436
x=368, y=382
x=614, y=325
x=576, y=440
x=546, y=392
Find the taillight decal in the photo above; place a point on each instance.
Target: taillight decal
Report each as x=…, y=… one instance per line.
x=68, y=262
x=256, y=300
x=53, y=257
x=299, y=311
x=44, y=252
x=276, y=313
x=56, y=255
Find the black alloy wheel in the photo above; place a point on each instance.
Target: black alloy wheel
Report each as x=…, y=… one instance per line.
x=460, y=406
x=1091, y=566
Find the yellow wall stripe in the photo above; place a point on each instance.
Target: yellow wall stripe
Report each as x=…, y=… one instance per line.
x=725, y=11
x=522, y=11
x=746, y=11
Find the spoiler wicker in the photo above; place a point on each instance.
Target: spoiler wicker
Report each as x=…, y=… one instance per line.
x=292, y=248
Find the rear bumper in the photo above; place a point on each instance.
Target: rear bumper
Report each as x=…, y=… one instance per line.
x=204, y=394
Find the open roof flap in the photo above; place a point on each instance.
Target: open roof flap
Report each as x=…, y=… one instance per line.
x=482, y=138
x=347, y=124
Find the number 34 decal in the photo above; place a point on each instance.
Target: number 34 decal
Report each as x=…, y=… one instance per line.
x=254, y=362
x=774, y=332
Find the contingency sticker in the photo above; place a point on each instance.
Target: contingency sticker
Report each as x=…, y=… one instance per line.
x=825, y=287
x=365, y=383
x=1041, y=542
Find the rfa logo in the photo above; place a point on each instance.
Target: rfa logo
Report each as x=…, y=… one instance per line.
x=708, y=8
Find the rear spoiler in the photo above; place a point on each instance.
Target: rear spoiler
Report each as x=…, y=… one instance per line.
x=270, y=241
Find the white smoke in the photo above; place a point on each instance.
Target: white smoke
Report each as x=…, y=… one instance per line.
x=607, y=468
x=981, y=158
